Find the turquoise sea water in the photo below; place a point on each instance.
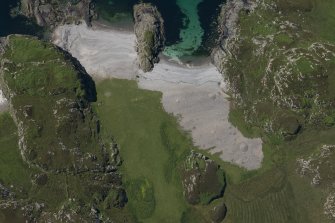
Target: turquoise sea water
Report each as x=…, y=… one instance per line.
x=188, y=23
x=191, y=34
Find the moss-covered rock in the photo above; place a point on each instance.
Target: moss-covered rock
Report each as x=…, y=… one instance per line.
x=68, y=169
x=218, y=213
x=50, y=101
x=149, y=30
x=203, y=179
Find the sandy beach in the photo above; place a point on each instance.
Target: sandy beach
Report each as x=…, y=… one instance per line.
x=195, y=94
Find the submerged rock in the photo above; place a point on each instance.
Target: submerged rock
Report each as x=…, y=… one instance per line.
x=149, y=30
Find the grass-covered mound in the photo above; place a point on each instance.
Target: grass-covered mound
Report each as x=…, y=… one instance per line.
x=54, y=164
x=50, y=94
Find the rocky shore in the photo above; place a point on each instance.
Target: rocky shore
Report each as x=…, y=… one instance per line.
x=228, y=30
x=52, y=13
x=149, y=31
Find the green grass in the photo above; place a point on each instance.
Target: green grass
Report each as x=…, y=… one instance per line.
x=276, y=193
x=13, y=170
x=322, y=19
x=151, y=144
x=46, y=80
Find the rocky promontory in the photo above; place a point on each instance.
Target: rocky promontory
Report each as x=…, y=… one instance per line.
x=149, y=30
x=50, y=95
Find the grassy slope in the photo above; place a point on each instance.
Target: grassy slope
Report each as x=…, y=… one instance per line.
x=137, y=120
x=256, y=196
x=12, y=168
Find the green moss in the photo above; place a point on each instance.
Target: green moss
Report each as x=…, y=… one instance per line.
x=283, y=39
x=305, y=66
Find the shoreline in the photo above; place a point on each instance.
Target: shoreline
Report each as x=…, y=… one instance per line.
x=192, y=91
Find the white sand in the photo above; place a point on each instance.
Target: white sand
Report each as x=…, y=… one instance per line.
x=3, y=101
x=192, y=93
x=101, y=52
x=2, y=98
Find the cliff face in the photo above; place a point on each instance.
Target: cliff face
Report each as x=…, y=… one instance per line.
x=149, y=30
x=278, y=51
x=50, y=13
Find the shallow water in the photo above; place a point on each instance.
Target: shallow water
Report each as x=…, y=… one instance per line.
x=191, y=34
x=188, y=23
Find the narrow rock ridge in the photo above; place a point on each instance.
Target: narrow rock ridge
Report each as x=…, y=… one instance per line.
x=149, y=30
x=228, y=30
x=50, y=14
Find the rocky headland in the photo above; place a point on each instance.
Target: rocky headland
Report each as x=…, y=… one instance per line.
x=49, y=95
x=150, y=37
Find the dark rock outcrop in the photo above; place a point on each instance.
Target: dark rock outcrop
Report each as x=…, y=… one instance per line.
x=149, y=30
x=203, y=179
x=218, y=213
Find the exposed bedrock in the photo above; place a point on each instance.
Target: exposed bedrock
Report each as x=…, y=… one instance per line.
x=50, y=13
x=203, y=179
x=149, y=30
x=228, y=29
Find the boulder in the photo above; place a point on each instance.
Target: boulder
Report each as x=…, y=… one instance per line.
x=149, y=31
